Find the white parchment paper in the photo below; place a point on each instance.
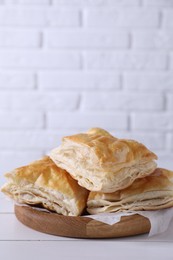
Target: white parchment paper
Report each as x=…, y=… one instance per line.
x=159, y=219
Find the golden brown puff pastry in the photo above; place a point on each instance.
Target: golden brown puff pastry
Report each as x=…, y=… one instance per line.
x=101, y=162
x=152, y=192
x=42, y=182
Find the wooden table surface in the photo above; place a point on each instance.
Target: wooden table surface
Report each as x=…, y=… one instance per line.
x=20, y=242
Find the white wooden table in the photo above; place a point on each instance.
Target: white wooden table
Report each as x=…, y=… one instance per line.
x=20, y=242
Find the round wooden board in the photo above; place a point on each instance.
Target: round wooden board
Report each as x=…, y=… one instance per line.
x=80, y=227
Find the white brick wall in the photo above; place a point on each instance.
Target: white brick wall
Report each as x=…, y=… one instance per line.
x=168, y=18
x=38, y=101
x=81, y=80
x=43, y=59
x=126, y=60
x=153, y=39
x=39, y=16
x=120, y=101
x=148, y=81
x=68, y=65
x=20, y=38
x=155, y=121
x=86, y=39
x=85, y=120
x=21, y=120
x=16, y=79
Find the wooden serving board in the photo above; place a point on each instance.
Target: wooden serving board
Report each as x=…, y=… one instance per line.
x=80, y=227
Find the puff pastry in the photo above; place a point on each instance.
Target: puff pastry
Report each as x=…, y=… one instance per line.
x=43, y=183
x=149, y=193
x=101, y=162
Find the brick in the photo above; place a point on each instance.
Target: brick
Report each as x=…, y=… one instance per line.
x=31, y=140
x=125, y=60
x=28, y=2
x=171, y=61
x=121, y=101
x=57, y=17
x=32, y=100
x=125, y=17
x=167, y=20
x=91, y=3
x=78, y=80
x=152, y=39
x=170, y=101
x=162, y=3
x=150, y=81
x=17, y=16
x=165, y=159
x=39, y=59
x=21, y=120
x=160, y=121
x=153, y=140
x=38, y=16
x=82, y=39
x=87, y=120
x=17, y=80
x=170, y=142
x=19, y=38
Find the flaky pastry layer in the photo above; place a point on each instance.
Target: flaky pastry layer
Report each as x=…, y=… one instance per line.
x=101, y=162
x=152, y=192
x=43, y=183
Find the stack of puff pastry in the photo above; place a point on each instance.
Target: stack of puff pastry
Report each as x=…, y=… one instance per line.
x=94, y=172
